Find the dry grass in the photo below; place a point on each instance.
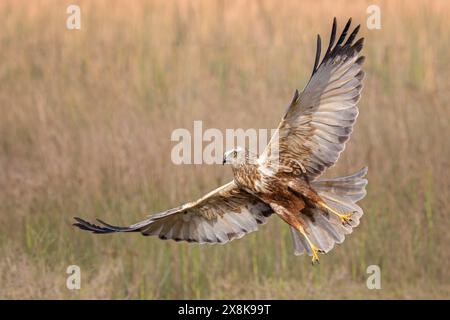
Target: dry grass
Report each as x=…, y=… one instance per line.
x=85, y=127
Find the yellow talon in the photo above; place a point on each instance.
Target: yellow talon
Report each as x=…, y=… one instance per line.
x=346, y=218
x=313, y=248
x=315, y=256
x=314, y=251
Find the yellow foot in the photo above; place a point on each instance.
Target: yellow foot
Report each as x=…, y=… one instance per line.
x=312, y=247
x=346, y=218
x=315, y=256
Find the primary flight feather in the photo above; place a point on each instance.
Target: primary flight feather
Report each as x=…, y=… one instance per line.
x=283, y=180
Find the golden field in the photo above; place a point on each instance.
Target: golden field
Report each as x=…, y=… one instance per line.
x=85, y=125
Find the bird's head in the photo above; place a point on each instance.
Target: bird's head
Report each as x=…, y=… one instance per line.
x=235, y=156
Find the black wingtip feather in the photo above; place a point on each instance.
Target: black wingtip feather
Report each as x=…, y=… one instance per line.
x=352, y=36
x=318, y=51
x=344, y=32
x=114, y=228
x=84, y=225
x=358, y=45
x=332, y=38
x=347, y=49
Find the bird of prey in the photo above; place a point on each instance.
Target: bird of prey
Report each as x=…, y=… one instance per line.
x=284, y=179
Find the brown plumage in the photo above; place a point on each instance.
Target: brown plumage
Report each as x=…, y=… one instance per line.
x=284, y=178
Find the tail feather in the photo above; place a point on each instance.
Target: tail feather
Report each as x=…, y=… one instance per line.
x=352, y=187
x=300, y=244
x=325, y=229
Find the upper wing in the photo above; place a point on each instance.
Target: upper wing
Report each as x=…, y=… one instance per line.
x=222, y=215
x=319, y=121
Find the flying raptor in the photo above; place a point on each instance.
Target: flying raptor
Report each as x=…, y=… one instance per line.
x=284, y=179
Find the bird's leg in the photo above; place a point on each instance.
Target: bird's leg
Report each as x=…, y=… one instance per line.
x=346, y=218
x=300, y=188
x=313, y=248
x=295, y=221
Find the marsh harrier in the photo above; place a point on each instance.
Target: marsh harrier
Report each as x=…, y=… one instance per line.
x=283, y=180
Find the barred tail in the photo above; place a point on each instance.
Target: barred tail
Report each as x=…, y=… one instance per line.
x=325, y=229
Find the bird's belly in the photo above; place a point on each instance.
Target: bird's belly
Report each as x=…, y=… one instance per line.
x=283, y=197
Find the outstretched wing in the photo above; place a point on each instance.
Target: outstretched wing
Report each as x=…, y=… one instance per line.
x=220, y=216
x=318, y=122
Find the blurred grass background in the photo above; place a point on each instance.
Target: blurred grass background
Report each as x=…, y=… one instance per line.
x=85, y=124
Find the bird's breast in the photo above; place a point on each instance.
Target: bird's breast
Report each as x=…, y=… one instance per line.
x=248, y=177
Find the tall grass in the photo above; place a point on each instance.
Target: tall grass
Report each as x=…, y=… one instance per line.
x=85, y=125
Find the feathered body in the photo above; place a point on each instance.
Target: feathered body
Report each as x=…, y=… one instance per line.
x=272, y=187
x=284, y=179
